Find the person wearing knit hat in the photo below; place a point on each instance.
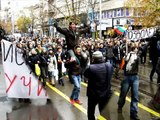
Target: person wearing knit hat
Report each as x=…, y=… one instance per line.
x=97, y=56
x=99, y=76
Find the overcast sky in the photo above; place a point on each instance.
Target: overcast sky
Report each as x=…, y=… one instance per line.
x=19, y=4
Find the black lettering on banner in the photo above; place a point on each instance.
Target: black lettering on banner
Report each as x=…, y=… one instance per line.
x=16, y=57
x=135, y=35
x=147, y=32
x=6, y=53
x=143, y=34
x=150, y=31
x=130, y=34
x=138, y=35
x=154, y=29
x=9, y=53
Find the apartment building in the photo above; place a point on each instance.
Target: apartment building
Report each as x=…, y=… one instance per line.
x=113, y=13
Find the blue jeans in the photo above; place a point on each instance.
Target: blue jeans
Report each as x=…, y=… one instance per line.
x=110, y=60
x=77, y=85
x=133, y=83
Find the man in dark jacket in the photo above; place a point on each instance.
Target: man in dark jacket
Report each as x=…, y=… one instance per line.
x=99, y=76
x=71, y=34
x=74, y=66
x=72, y=38
x=153, y=49
x=60, y=57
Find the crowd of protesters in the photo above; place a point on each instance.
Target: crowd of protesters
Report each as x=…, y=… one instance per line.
x=47, y=50
x=52, y=57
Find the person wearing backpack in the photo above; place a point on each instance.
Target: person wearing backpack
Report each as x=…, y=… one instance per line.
x=99, y=76
x=131, y=80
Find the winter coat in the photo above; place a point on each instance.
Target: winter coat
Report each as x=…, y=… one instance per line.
x=99, y=79
x=52, y=64
x=74, y=66
x=72, y=38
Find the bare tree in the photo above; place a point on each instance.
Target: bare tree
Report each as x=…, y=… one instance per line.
x=33, y=17
x=42, y=15
x=72, y=7
x=92, y=5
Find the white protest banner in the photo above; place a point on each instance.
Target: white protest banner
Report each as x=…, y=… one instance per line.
x=140, y=34
x=20, y=81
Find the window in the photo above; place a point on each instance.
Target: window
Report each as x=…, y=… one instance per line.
x=127, y=12
x=110, y=14
x=105, y=0
x=122, y=12
x=115, y=13
x=118, y=12
x=105, y=14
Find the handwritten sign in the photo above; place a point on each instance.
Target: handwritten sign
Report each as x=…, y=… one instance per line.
x=20, y=81
x=140, y=34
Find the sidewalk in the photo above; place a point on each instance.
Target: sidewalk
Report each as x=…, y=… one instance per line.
x=2, y=83
x=4, y=104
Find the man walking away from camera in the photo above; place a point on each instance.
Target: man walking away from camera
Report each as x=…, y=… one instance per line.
x=99, y=76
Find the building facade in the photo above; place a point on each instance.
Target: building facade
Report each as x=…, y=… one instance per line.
x=114, y=14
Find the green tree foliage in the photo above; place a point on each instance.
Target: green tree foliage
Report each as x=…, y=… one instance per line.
x=23, y=23
x=146, y=12
x=7, y=26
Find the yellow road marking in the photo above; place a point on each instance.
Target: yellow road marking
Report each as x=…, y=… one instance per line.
x=68, y=99
x=139, y=104
x=84, y=84
x=101, y=118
